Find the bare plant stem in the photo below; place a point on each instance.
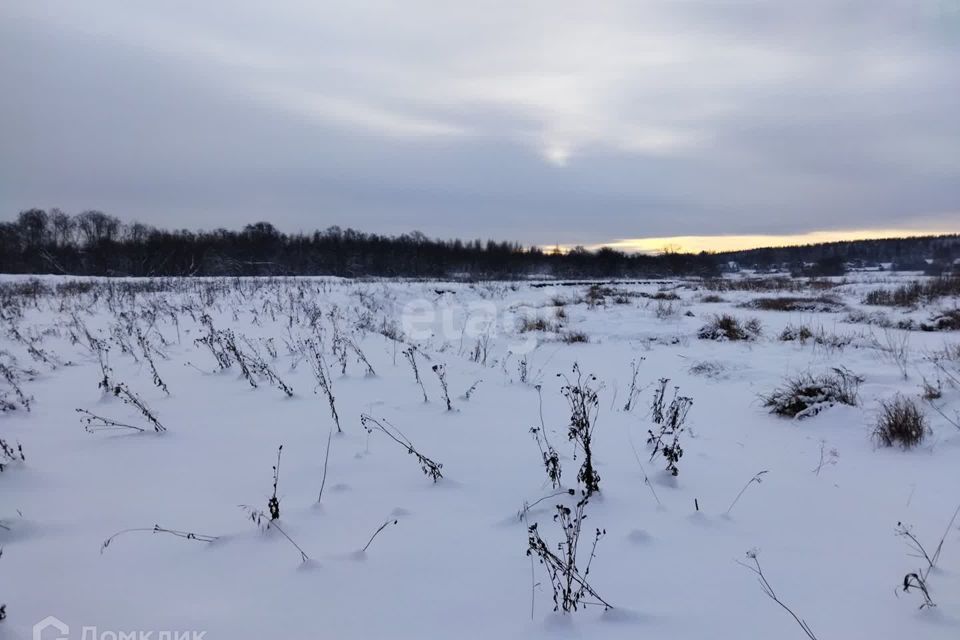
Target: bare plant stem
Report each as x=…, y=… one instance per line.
x=273, y=504
x=186, y=535
x=261, y=519
x=533, y=587
x=646, y=478
x=526, y=507
x=768, y=590
x=428, y=466
x=326, y=461
x=758, y=478
x=936, y=554
x=99, y=423
x=377, y=532
x=955, y=421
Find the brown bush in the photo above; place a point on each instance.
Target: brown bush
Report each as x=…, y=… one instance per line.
x=901, y=422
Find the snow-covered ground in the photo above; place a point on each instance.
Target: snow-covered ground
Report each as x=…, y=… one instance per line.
x=455, y=565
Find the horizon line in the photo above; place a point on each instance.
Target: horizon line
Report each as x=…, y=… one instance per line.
x=725, y=243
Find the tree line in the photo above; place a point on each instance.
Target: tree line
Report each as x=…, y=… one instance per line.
x=98, y=244
x=933, y=254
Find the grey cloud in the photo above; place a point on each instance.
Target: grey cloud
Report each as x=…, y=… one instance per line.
x=535, y=123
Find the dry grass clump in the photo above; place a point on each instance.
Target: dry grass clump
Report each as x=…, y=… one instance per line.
x=803, y=334
x=770, y=284
x=901, y=422
x=948, y=320
x=536, y=324
x=727, y=327
x=914, y=293
x=665, y=310
x=598, y=295
x=574, y=337
x=879, y=319
x=821, y=304
x=661, y=295
x=800, y=333
x=806, y=395
x=708, y=368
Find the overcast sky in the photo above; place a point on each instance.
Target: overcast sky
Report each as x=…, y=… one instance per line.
x=543, y=122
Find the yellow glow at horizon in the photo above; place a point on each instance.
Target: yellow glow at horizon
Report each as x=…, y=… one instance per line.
x=721, y=243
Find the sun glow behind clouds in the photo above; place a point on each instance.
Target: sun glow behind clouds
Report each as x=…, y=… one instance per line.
x=719, y=243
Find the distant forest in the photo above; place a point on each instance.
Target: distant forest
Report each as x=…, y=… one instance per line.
x=932, y=254
x=95, y=243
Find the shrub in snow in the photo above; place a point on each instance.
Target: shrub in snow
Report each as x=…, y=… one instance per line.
x=536, y=324
x=727, y=327
x=523, y=369
x=95, y=422
x=148, y=348
x=226, y=350
x=584, y=403
x=945, y=321
x=708, y=368
x=568, y=580
x=901, y=422
x=918, y=580
x=480, y=349
x=11, y=373
x=430, y=468
x=324, y=380
x=10, y=454
x=634, y=388
x=597, y=294
x=799, y=334
x=930, y=391
x=802, y=333
x=123, y=392
x=665, y=310
x=441, y=372
x=410, y=353
x=806, y=395
x=670, y=424
x=273, y=504
x=549, y=455
x=574, y=337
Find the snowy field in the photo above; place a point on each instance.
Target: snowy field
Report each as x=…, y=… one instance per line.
x=230, y=370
